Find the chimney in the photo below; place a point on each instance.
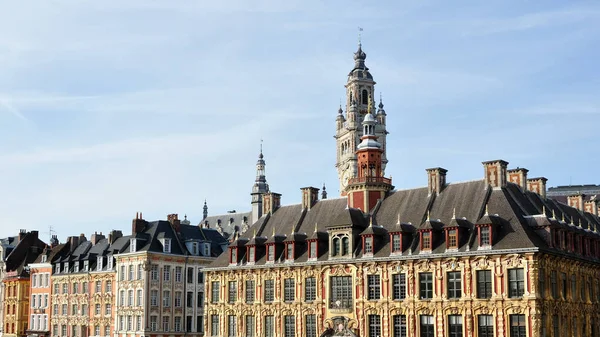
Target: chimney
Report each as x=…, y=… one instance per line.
x=73, y=242
x=576, y=201
x=96, y=238
x=22, y=233
x=518, y=176
x=591, y=206
x=53, y=240
x=310, y=195
x=138, y=224
x=436, y=178
x=82, y=238
x=175, y=222
x=114, y=235
x=271, y=202
x=495, y=173
x=537, y=185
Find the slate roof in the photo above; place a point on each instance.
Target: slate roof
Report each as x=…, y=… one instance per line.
x=512, y=212
x=228, y=224
x=25, y=252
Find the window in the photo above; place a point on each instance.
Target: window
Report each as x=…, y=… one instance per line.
x=251, y=255
x=178, y=272
x=75, y=288
x=98, y=286
x=200, y=324
x=335, y=251
x=154, y=272
x=573, y=287
x=232, y=295
x=341, y=292
x=289, y=249
x=63, y=330
x=207, y=249
x=249, y=291
x=129, y=323
x=139, y=323
x=233, y=255
x=271, y=253
x=231, y=326
x=517, y=326
x=178, y=299
x=55, y=309
x=364, y=97
x=200, y=299
x=312, y=250
x=455, y=324
x=140, y=271
x=98, y=309
x=516, y=283
x=189, y=299
x=368, y=245
x=108, y=286
x=289, y=326
x=177, y=323
x=200, y=277
x=426, y=326
x=563, y=281
x=250, y=328
x=310, y=289
x=542, y=283
x=553, y=285
x=574, y=326
x=166, y=245
x=166, y=322
x=139, y=298
x=399, y=325
x=84, y=309
x=65, y=289
x=269, y=291
x=130, y=298
x=399, y=286
x=109, y=262
x=122, y=273
x=167, y=273
x=131, y=273
x=64, y=309
x=396, y=243
x=452, y=238
x=289, y=290
x=485, y=326
x=214, y=325
x=426, y=285
x=311, y=325
x=269, y=326
x=108, y=310
x=426, y=240
x=373, y=282
x=190, y=275
x=454, y=284
x=374, y=325
x=122, y=297
x=214, y=296
x=107, y=329
x=484, y=236
x=166, y=298
x=56, y=288
x=153, y=298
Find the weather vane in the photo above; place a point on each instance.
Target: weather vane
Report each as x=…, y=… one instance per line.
x=359, y=33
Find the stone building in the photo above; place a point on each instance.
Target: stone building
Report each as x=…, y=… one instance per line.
x=489, y=257
x=6, y=246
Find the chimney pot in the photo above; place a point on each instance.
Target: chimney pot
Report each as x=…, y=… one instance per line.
x=495, y=173
x=518, y=176
x=436, y=178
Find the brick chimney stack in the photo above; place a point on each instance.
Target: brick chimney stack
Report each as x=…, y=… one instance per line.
x=310, y=195
x=138, y=224
x=95, y=238
x=175, y=222
x=495, y=173
x=271, y=202
x=73, y=242
x=436, y=180
x=576, y=201
x=591, y=206
x=537, y=185
x=114, y=235
x=518, y=176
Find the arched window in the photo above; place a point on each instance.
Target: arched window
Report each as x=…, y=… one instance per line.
x=345, y=245
x=365, y=97
x=336, y=246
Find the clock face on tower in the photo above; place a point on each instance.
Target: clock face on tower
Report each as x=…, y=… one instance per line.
x=345, y=178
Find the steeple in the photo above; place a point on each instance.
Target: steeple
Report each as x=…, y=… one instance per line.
x=260, y=186
x=204, y=210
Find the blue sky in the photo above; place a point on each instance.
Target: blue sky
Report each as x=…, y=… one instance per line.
x=113, y=107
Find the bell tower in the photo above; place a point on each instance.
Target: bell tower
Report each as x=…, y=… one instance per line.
x=369, y=185
x=360, y=89
x=259, y=188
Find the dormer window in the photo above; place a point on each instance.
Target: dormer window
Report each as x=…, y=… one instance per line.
x=166, y=245
x=57, y=268
x=132, y=245
x=76, y=267
x=194, y=248
x=396, y=239
x=452, y=238
x=233, y=255
x=109, y=263
x=368, y=245
x=312, y=250
x=485, y=236
x=340, y=244
x=65, y=267
x=271, y=253
x=99, y=263
x=289, y=251
x=85, y=265
x=44, y=258
x=206, y=249
x=251, y=254
x=426, y=241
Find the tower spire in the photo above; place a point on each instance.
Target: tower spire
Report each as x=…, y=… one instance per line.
x=205, y=210
x=260, y=186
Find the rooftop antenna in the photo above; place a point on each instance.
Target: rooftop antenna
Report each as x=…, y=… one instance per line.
x=50, y=232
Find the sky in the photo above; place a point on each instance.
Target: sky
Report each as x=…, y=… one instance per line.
x=108, y=108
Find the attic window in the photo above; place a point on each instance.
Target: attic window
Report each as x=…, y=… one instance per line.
x=57, y=269
x=207, y=249
x=426, y=240
x=289, y=250
x=166, y=245
x=485, y=236
x=132, y=245
x=368, y=244
x=194, y=248
x=109, y=263
x=233, y=255
x=99, y=263
x=44, y=258
x=340, y=244
x=251, y=254
x=396, y=243
x=452, y=238
x=312, y=250
x=270, y=253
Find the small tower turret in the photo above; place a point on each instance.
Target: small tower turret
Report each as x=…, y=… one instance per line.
x=339, y=121
x=260, y=187
x=204, y=210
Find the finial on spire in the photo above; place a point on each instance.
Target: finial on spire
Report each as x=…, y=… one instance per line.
x=359, y=36
x=454, y=213
x=316, y=226
x=185, y=217
x=261, y=144
x=486, y=210
x=254, y=235
x=397, y=223
x=273, y=231
x=427, y=215
x=370, y=220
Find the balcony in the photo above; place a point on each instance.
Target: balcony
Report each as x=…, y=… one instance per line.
x=368, y=180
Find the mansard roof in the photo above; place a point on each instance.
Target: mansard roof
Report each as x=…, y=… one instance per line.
x=26, y=251
x=228, y=224
x=509, y=209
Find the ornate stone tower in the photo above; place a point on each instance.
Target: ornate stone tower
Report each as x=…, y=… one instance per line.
x=360, y=90
x=260, y=187
x=369, y=185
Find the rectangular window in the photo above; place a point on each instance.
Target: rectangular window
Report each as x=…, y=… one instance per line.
x=454, y=284
x=553, y=285
x=289, y=251
x=167, y=273
x=200, y=277
x=555, y=325
x=271, y=253
x=108, y=310
x=190, y=275
x=177, y=323
x=484, y=233
x=200, y=324
x=232, y=295
x=516, y=283
x=269, y=291
x=178, y=299
x=178, y=272
x=396, y=243
x=249, y=291
x=289, y=326
x=200, y=299
x=313, y=250
x=214, y=325
x=542, y=283
x=455, y=324
x=484, y=283
x=122, y=274
x=374, y=284
x=189, y=299
x=426, y=285
x=140, y=271
x=311, y=325
x=251, y=254
x=368, y=245
x=131, y=273
x=139, y=297
x=250, y=328
x=269, y=326
x=98, y=309
x=166, y=298
x=563, y=282
x=340, y=292
x=289, y=290
x=452, y=238
x=154, y=298
x=399, y=286
x=426, y=326
x=167, y=245
x=310, y=289
x=573, y=287
x=374, y=325
x=517, y=326
x=98, y=286
x=214, y=295
x=231, y=325
x=426, y=242
x=139, y=323
x=108, y=286
x=485, y=326
x=166, y=322
x=154, y=272
x=399, y=322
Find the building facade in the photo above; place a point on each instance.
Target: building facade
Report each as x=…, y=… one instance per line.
x=489, y=257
